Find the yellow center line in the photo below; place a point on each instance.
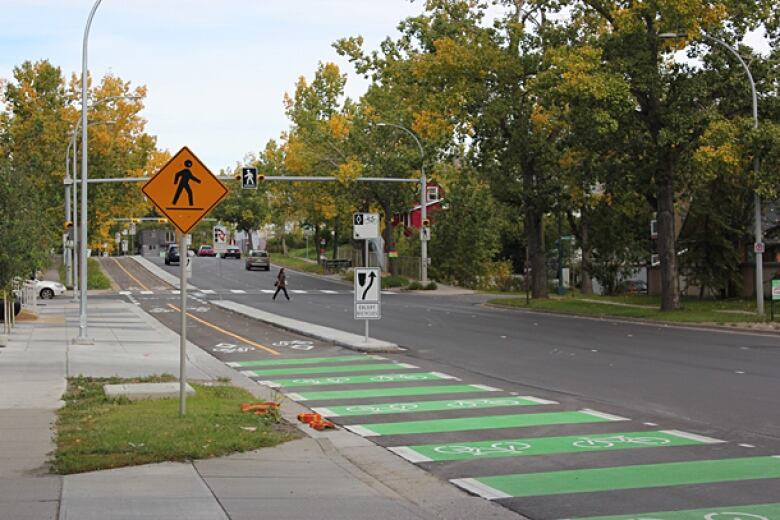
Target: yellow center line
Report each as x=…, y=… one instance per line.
x=227, y=332
x=136, y=280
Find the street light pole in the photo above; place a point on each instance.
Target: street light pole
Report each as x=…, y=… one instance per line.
x=82, y=337
x=759, y=239
x=423, y=203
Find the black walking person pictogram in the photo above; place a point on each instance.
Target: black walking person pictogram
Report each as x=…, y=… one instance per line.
x=182, y=179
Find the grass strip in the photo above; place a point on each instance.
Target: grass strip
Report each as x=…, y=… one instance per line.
x=96, y=278
x=94, y=432
x=645, y=307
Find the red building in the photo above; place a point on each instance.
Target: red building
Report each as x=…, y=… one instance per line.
x=412, y=219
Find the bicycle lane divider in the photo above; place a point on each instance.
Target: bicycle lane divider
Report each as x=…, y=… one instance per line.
x=352, y=380
x=401, y=391
x=331, y=369
x=227, y=332
x=748, y=512
x=430, y=406
x=305, y=361
x=549, y=445
x=640, y=476
x=489, y=422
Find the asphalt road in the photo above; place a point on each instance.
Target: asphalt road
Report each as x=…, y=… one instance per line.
x=722, y=381
x=554, y=417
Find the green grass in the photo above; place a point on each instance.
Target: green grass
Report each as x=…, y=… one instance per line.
x=96, y=279
x=644, y=307
x=94, y=432
x=394, y=281
x=298, y=264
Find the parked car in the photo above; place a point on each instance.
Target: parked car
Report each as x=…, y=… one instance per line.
x=172, y=254
x=48, y=290
x=257, y=258
x=206, y=250
x=232, y=252
x=632, y=287
x=17, y=308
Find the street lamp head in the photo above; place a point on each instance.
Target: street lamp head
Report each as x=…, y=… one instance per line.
x=672, y=35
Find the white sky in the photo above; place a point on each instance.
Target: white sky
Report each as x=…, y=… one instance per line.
x=216, y=70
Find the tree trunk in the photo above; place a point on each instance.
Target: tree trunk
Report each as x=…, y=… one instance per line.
x=670, y=294
x=534, y=226
x=389, y=238
x=587, y=279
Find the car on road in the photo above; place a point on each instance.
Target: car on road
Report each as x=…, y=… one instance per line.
x=206, y=250
x=231, y=252
x=172, y=254
x=259, y=259
x=47, y=290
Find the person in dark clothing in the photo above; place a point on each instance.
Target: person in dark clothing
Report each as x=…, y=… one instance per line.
x=281, y=284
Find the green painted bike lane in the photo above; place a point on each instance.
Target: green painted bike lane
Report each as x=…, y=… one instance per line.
x=429, y=406
x=622, y=477
x=331, y=369
x=352, y=380
x=335, y=395
x=488, y=422
x=548, y=445
x=750, y=512
x=304, y=361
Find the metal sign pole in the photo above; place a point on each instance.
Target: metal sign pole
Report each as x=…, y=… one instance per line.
x=183, y=333
x=366, y=264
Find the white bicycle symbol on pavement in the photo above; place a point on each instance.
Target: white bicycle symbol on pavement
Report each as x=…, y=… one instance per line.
x=496, y=447
x=326, y=381
x=473, y=403
x=296, y=344
x=396, y=407
x=609, y=442
x=229, y=348
x=400, y=377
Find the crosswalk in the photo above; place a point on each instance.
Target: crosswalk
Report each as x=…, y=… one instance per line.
x=225, y=292
x=532, y=454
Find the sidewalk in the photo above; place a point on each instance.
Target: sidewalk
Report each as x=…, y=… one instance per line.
x=325, y=475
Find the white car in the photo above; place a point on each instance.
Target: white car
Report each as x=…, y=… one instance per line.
x=48, y=290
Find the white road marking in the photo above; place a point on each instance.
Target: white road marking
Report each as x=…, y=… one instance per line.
x=125, y=293
x=233, y=364
x=538, y=400
x=267, y=291
x=478, y=488
x=445, y=376
x=603, y=415
x=269, y=384
x=327, y=291
x=298, y=291
x=692, y=436
x=410, y=455
x=747, y=446
x=238, y=291
x=296, y=397
x=486, y=387
x=325, y=412
x=147, y=292
x=650, y=424
x=208, y=291
x=175, y=291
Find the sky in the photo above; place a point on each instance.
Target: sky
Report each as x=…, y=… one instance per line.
x=216, y=71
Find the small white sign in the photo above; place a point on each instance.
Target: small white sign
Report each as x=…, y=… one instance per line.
x=117, y=237
x=124, y=246
x=758, y=247
x=365, y=226
x=188, y=267
x=368, y=291
x=425, y=234
x=132, y=228
x=220, y=235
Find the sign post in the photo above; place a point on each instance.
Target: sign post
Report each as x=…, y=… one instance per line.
x=184, y=190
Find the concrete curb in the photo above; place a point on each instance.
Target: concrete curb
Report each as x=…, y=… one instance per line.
x=335, y=336
x=162, y=274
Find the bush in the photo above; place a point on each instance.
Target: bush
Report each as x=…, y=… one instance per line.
x=431, y=286
x=394, y=281
x=414, y=286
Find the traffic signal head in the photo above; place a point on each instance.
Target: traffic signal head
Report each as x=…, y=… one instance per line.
x=237, y=176
x=426, y=222
x=68, y=224
x=135, y=220
x=162, y=220
x=260, y=177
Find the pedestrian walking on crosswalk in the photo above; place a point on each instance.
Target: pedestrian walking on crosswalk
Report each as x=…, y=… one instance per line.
x=281, y=284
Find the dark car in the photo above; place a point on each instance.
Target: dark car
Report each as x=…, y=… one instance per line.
x=257, y=258
x=172, y=255
x=231, y=252
x=632, y=287
x=206, y=250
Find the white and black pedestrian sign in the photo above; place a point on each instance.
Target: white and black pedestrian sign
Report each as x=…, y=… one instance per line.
x=220, y=234
x=368, y=290
x=365, y=226
x=249, y=178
